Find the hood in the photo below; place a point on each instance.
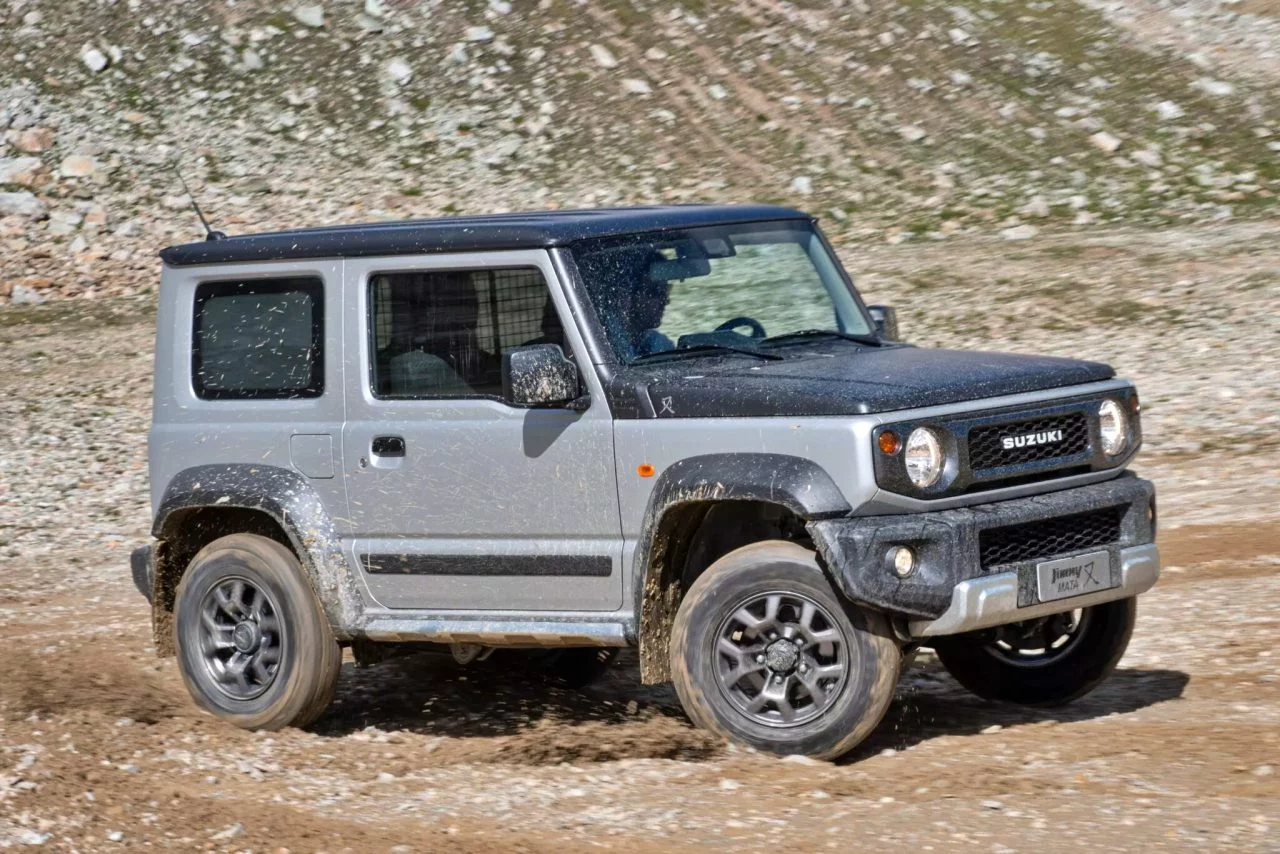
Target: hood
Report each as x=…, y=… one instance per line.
x=847, y=380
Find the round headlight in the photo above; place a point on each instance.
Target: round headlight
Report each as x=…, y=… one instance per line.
x=924, y=457
x=1114, y=427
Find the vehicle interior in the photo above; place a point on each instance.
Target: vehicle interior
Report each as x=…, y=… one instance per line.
x=443, y=333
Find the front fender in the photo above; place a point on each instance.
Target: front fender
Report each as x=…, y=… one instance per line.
x=286, y=497
x=798, y=484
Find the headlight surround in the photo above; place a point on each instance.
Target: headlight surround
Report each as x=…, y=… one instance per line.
x=1113, y=425
x=924, y=457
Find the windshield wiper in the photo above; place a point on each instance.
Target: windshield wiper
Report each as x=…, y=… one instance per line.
x=706, y=348
x=792, y=337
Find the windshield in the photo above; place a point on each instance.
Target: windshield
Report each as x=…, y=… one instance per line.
x=716, y=288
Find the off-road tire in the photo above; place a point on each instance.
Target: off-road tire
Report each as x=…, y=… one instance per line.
x=310, y=658
x=1105, y=637
x=873, y=656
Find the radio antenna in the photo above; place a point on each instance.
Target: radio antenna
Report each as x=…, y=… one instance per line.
x=209, y=233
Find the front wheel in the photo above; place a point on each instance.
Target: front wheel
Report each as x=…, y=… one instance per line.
x=1044, y=662
x=765, y=653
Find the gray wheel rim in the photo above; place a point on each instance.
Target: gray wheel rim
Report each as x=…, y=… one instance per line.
x=781, y=659
x=1037, y=643
x=240, y=637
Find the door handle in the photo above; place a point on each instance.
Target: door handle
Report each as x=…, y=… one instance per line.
x=388, y=446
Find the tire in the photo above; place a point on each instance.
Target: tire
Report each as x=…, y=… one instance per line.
x=992, y=667
x=746, y=583
x=579, y=666
x=287, y=659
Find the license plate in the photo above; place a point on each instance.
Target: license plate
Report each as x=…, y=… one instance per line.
x=1073, y=576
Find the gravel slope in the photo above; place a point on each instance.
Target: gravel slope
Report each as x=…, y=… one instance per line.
x=895, y=121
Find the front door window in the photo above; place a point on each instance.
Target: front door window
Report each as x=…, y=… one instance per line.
x=444, y=333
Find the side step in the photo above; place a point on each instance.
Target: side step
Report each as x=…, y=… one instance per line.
x=387, y=628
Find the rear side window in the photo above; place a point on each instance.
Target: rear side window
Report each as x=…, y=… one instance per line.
x=443, y=333
x=259, y=340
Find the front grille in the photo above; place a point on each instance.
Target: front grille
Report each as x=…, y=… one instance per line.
x=986, y=444
x=1049, y=537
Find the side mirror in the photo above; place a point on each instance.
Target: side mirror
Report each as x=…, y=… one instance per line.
x=538, y=375
x=886, y=318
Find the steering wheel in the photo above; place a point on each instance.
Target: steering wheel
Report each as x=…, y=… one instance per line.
x=756, y=327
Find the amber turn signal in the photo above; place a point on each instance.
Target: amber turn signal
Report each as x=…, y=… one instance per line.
x=889, y=443
x=645, y=470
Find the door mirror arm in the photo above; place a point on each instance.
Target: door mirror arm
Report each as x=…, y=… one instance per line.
x=886, y=320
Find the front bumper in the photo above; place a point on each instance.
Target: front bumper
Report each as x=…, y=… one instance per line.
x=981, y=603
x=953, y=591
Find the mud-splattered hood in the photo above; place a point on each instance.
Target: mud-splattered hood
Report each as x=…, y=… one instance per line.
x=844, y=379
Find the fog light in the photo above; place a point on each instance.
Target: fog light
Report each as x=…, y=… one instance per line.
x=904, y=561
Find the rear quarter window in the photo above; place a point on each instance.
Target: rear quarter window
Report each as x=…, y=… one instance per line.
x=259, y=340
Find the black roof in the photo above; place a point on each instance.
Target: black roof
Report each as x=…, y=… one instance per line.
x=525, y=230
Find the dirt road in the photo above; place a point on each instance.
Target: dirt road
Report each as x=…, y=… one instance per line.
x=101, y=750
x=1180, y=748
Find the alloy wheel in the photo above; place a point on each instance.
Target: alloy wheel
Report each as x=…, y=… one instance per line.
x=240, y=637
x=1035, y=643
x=781, y=659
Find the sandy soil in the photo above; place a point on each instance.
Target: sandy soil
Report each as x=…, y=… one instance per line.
x=1179, y=748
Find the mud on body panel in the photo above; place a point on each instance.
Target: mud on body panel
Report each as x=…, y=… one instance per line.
x=205, y=502
x=678, y=506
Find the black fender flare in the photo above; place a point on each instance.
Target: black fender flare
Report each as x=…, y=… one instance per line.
x=800, y=485
x=286, y=497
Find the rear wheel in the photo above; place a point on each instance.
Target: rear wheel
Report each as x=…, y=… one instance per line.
x=254, y=647
x=1044, y=662
x=765, y=653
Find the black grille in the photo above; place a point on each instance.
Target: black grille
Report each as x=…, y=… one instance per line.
x=987, y=451
x=1049, y=537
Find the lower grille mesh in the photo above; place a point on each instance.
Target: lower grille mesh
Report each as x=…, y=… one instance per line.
x=1049, y=537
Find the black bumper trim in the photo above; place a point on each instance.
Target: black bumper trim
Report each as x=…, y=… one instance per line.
x=855, y=549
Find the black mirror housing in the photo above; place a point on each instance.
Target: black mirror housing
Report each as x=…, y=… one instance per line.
x=539, y=375
x=886, y=318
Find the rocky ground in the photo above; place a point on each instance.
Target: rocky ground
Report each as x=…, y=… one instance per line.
x=897, y=121
x=101, y=750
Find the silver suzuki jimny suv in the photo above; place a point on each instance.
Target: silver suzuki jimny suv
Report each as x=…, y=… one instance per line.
x=673, y=428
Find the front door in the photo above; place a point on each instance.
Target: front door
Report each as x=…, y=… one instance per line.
x=456, y=500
